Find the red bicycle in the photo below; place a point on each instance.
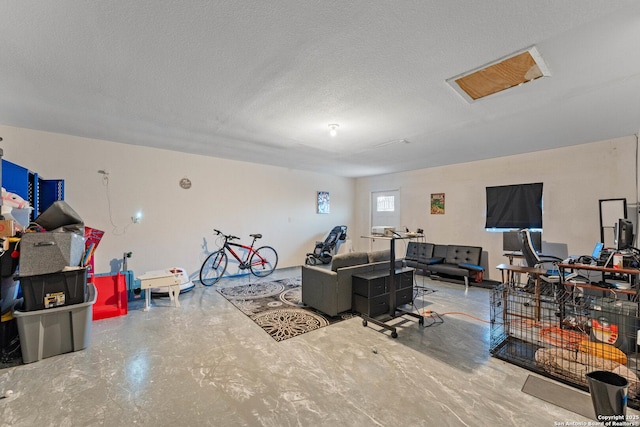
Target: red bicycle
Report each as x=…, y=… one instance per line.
x=261, y=262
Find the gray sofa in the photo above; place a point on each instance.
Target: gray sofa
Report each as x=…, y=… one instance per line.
x=450, y=260
x=328, y=288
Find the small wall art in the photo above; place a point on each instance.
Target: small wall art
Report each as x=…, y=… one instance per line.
x=323, y=202
x=437, y=203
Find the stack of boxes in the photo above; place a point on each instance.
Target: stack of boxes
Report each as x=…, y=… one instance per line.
x=56, y=312
x=44, y=297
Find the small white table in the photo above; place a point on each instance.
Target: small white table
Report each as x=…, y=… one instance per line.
x=160, y=279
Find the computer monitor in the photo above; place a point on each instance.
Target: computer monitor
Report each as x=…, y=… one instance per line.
x=623, y=232
x=511, y=241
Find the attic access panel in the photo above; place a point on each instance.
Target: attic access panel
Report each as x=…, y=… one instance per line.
x=514, y=70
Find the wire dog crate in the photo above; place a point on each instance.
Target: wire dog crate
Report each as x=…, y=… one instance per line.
x=566, y=334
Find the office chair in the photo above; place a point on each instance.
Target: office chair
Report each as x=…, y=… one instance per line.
x=549, y=262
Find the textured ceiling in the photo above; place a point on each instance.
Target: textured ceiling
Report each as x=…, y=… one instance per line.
x=260, y=81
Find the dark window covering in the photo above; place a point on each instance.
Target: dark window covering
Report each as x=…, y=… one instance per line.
x=514, y=206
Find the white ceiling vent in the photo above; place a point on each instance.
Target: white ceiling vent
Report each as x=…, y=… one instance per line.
x=513, y=70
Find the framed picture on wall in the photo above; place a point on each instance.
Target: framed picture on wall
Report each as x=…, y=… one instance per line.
x=437, y=203
x=323, y=202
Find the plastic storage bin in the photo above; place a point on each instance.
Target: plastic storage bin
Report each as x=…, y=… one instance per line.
x=43, y=253
x=47, y=333
x=112, y=298
x=47, y=291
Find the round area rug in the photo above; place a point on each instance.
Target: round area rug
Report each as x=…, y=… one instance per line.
x=253, y=290
x=292, y=297
x=285, y=323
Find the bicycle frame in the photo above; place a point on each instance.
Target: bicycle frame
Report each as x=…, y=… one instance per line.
x=250, y=250
x=261, y=261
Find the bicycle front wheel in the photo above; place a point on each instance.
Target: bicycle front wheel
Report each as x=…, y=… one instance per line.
x=213, y=267
x=263, y=261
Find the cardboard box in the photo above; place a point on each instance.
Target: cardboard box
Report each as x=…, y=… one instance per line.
x=7, y=228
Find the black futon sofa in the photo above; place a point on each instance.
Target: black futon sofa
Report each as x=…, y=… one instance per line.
x=449, y=260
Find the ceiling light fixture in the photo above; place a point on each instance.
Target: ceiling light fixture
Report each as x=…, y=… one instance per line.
x=333, y=129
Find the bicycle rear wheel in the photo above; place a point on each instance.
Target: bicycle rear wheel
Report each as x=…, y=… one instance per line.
x=213, y=267
x=263, y=261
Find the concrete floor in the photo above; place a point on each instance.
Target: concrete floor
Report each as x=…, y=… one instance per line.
x=206, y=363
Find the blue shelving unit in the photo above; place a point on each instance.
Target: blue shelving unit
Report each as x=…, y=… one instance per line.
x=41, y=193
x=49, y=191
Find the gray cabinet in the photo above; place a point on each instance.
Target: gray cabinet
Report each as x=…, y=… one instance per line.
x=372, y=291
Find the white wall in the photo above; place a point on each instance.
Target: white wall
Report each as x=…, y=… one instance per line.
x=243, y=198
x=236, y=197
x=574, y=178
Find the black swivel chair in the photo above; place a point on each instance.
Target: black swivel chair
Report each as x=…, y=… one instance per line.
x=548, y=262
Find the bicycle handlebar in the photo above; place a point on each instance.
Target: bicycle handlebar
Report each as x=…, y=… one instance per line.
x=228, y=237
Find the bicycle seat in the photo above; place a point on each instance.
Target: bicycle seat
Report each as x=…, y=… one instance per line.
x=256, y=236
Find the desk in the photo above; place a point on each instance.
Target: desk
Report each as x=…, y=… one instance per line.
x=509, y=274
x=517, y=254
x=632, y=274
x=513, y=254
x=510, y=271
x=392, y=267
x=160, y=279
x=393, y=306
